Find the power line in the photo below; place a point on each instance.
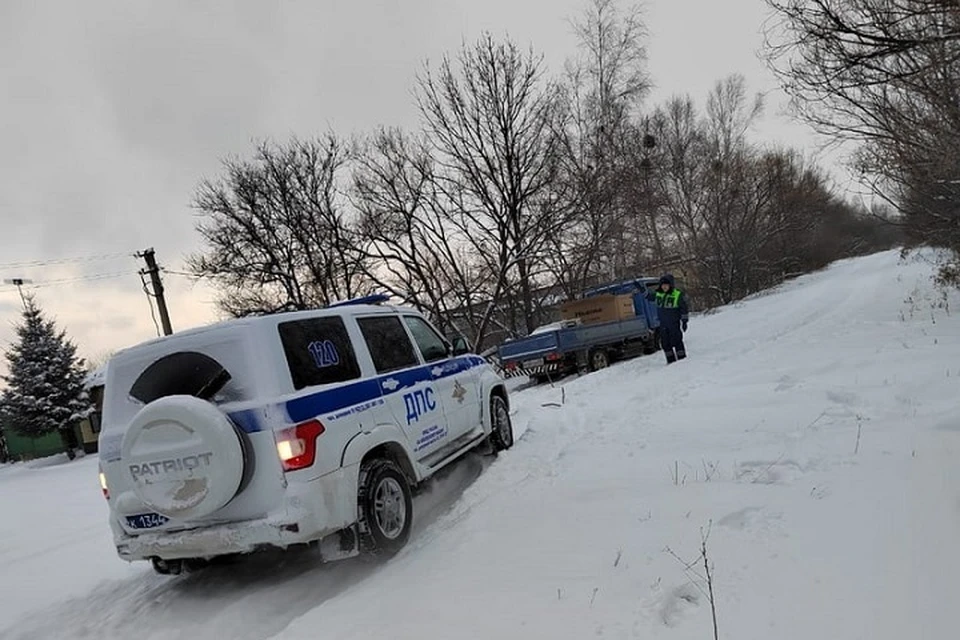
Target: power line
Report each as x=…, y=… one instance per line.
x=40, y=284
x=43, y=263
x=181, y=273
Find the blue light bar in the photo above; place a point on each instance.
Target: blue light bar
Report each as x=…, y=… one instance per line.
x=375, y=298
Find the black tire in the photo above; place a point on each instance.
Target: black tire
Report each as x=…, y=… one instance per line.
x=501, y=432
x=385, y=508
x=599, y=359
x=167, y=567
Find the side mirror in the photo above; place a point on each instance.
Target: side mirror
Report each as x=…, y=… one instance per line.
x=460, y=346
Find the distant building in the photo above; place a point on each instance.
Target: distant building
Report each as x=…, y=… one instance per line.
x=89, y=427
x=86, y=432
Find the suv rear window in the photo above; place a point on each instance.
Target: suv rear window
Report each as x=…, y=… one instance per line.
x=181, y=373
x=318, y=352
x=388, y=343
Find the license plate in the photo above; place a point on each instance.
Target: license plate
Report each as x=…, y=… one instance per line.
x=529, y=364
x=147, y=521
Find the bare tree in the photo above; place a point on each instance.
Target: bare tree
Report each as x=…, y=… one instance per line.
x=883, y=74
x=604, y=87
x=609, y=76
x=415, y=251
x=743, y=217
x=734, y=200
x=275, y=231
x=488, y=116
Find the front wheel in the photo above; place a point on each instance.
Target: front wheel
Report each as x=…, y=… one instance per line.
x=385, y=505
x=501, y=433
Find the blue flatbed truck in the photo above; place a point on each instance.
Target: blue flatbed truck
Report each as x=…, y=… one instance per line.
x=569, y=347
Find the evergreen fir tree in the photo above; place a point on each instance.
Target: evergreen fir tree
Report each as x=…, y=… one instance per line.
x=45, y=391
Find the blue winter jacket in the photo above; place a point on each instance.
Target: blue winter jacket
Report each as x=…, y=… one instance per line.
x=671, y=304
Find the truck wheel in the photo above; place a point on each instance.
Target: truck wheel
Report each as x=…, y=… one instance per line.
x=385, y=507
x=599, y=360
x=501, y=434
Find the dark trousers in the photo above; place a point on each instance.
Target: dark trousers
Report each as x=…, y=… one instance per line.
x=671, y=339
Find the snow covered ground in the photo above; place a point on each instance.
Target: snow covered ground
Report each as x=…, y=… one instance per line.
x=813, y=437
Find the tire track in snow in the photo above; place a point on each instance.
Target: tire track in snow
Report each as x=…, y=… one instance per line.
x=252, y=599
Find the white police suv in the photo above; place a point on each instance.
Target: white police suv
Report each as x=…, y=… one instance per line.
x=295, y=428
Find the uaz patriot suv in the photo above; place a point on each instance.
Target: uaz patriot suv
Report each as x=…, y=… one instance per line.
x=298, y=428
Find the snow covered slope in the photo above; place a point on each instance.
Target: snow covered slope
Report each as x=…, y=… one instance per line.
x=813, y=438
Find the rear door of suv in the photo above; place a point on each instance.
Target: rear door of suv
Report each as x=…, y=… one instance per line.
x=327, y=382
x=183, y=365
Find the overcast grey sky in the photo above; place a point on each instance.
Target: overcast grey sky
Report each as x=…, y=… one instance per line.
x=111, y=112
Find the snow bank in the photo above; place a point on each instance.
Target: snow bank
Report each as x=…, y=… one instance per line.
x=814, y=433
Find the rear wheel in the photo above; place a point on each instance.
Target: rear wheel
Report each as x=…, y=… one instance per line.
x=167, y=567
x=599, y=359
x=176, y=567
x=385, y=505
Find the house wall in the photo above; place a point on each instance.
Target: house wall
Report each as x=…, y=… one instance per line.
x=23, y=448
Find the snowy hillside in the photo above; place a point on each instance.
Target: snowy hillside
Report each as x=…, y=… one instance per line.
x=814, y=435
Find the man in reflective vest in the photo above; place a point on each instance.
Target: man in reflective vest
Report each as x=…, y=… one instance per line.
x=672, y=309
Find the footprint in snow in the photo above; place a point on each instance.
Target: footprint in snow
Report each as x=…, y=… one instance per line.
x=751, y=519
x=782, y=471
x=678, y=603
x=844, y=398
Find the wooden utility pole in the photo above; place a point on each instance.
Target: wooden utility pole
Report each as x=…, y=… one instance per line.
x=152, y=270
x=18, y=283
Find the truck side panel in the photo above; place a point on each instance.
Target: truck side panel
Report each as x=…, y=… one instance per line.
x=529, y=348
x=589, y=336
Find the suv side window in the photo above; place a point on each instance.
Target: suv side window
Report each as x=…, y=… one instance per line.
x=389, y=344
x=318, y=351
x=432, y=346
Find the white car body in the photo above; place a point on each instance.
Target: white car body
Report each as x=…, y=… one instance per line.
x=274, y=458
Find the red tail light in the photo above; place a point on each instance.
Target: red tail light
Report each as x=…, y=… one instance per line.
x=297, y=446
x=103, y=485
x=553, y=356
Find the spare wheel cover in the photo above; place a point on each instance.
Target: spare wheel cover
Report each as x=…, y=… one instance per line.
x=184, y=457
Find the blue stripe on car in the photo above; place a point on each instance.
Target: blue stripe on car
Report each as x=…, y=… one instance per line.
x=331, y=400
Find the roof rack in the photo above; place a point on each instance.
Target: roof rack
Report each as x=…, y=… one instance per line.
x=376, y=298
